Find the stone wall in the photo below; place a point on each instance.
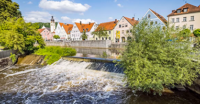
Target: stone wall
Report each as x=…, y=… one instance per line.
x=4, y=62
x=118, y=45
x=91, y=43
x=6, y=53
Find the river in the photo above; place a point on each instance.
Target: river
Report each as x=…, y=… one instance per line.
x=68, y=82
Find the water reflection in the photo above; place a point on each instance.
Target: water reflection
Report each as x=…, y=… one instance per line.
x=99, y=53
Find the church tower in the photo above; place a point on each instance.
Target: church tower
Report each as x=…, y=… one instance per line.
x=52, y=24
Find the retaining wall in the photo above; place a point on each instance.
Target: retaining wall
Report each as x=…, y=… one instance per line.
x=6, y=53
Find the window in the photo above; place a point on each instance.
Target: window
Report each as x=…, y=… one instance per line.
x=156, y=22
x=109, y=32
x=130, y=31
x=106, y=38
x=192, y=18
x=122, y=25
x=184, y=26
x=126, y=25
x=177, y=19
x=127, y=31
x=119, y=26
x=109, y=38
x=172, y=20
x=177, y=27
x=122, y=31
x=123, y=39
x=149, y=16
x=184, y=19
x=96, y=39
x=191, y=27
x=178, y=11
x=185, y=10
x=102, y=38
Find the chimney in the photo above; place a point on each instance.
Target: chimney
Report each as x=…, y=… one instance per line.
x=199, y=6
x=116, y=21
x=67, y=24
x=80, y=23
x=89, y=23
x=173, y=10
x=133, y=18
x=138, y=19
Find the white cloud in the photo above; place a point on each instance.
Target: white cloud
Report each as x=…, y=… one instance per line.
x=65, y=18
x=110, y=18
x=81, y=13
x=30, y=2
x=115, y=0
x=83, y=20
x=37, y=16
x=65, y=6
x=119, y=5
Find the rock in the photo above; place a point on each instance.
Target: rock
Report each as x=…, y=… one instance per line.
x=180, y=88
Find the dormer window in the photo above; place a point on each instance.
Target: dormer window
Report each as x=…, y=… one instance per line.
x=83, y=29
x=178, y=11
x=185, y=9
x=87, y=29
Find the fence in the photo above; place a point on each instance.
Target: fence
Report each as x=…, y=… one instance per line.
x=6, y=53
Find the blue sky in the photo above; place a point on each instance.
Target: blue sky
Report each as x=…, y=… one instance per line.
x=69, y=11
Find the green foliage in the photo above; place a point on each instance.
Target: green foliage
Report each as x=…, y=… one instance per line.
x=53, y=53
x=56, y=37
x=84, y=35
x=9, y=9
x=18, y=35
x=196, y=32
x=13, y=57
x=104, y=55
x=151, y=62
x=185, y=32
x=41, y=24
x=100, y=32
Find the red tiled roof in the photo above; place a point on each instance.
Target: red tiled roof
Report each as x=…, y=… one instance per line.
x=191, y=9
x=82, y=26
x=160, y=17
x=40, y=30
x=68, y=28
x=108, y=25
x=132, y=21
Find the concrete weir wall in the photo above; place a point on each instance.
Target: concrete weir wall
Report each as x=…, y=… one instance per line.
x=87, y=44
x=91, y=43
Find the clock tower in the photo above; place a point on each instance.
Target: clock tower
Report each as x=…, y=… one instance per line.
x=52, y=24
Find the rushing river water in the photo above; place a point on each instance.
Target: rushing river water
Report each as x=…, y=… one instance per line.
x=68, y=82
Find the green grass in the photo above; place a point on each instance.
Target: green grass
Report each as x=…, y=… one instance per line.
x=54, y=53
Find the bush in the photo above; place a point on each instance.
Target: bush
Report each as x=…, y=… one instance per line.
x=56, y=37
x=13, y=57
x=53, y=53
x=151, y=62
x=197, y=32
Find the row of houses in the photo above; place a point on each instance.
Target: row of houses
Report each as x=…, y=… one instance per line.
x=187, y=16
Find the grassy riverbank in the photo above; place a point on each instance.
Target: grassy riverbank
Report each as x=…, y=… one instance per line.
x=54, y=53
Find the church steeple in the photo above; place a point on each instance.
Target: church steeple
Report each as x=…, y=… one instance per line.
x=52, y=19
x=52, y=24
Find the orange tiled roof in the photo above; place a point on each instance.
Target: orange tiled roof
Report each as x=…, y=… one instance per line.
x=84, y=26
x=160, y=17
x=131, y=21
x=108, y=25
x=61, y=24
x=191, y=9
x=40, y=30
x=68, y=28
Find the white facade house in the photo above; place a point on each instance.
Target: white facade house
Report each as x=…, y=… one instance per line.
x=58, y=29
x=78, y=29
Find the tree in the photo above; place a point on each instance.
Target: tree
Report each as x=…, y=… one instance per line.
x=196, y=32
x=84, y=35
x=100, y=32
x=9, y=9
x=56, y=37
x=18, y=35
x=151, y=62
x=185, y=33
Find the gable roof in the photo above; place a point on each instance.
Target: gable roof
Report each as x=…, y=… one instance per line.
x=82, y=26
x=61, y=24
x=40, y=30
x=159, y=16
x=68, y=28
x=132, y=21
x=191, y=9
x=48, y=28
x=108, y=25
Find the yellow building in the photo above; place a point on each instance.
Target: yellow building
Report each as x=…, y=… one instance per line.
x=108, y=26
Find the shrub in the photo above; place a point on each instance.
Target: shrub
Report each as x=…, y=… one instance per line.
x=13, y=57
x=196, y=32
x=151, y=62
x=56, y=37
x=54, y=53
